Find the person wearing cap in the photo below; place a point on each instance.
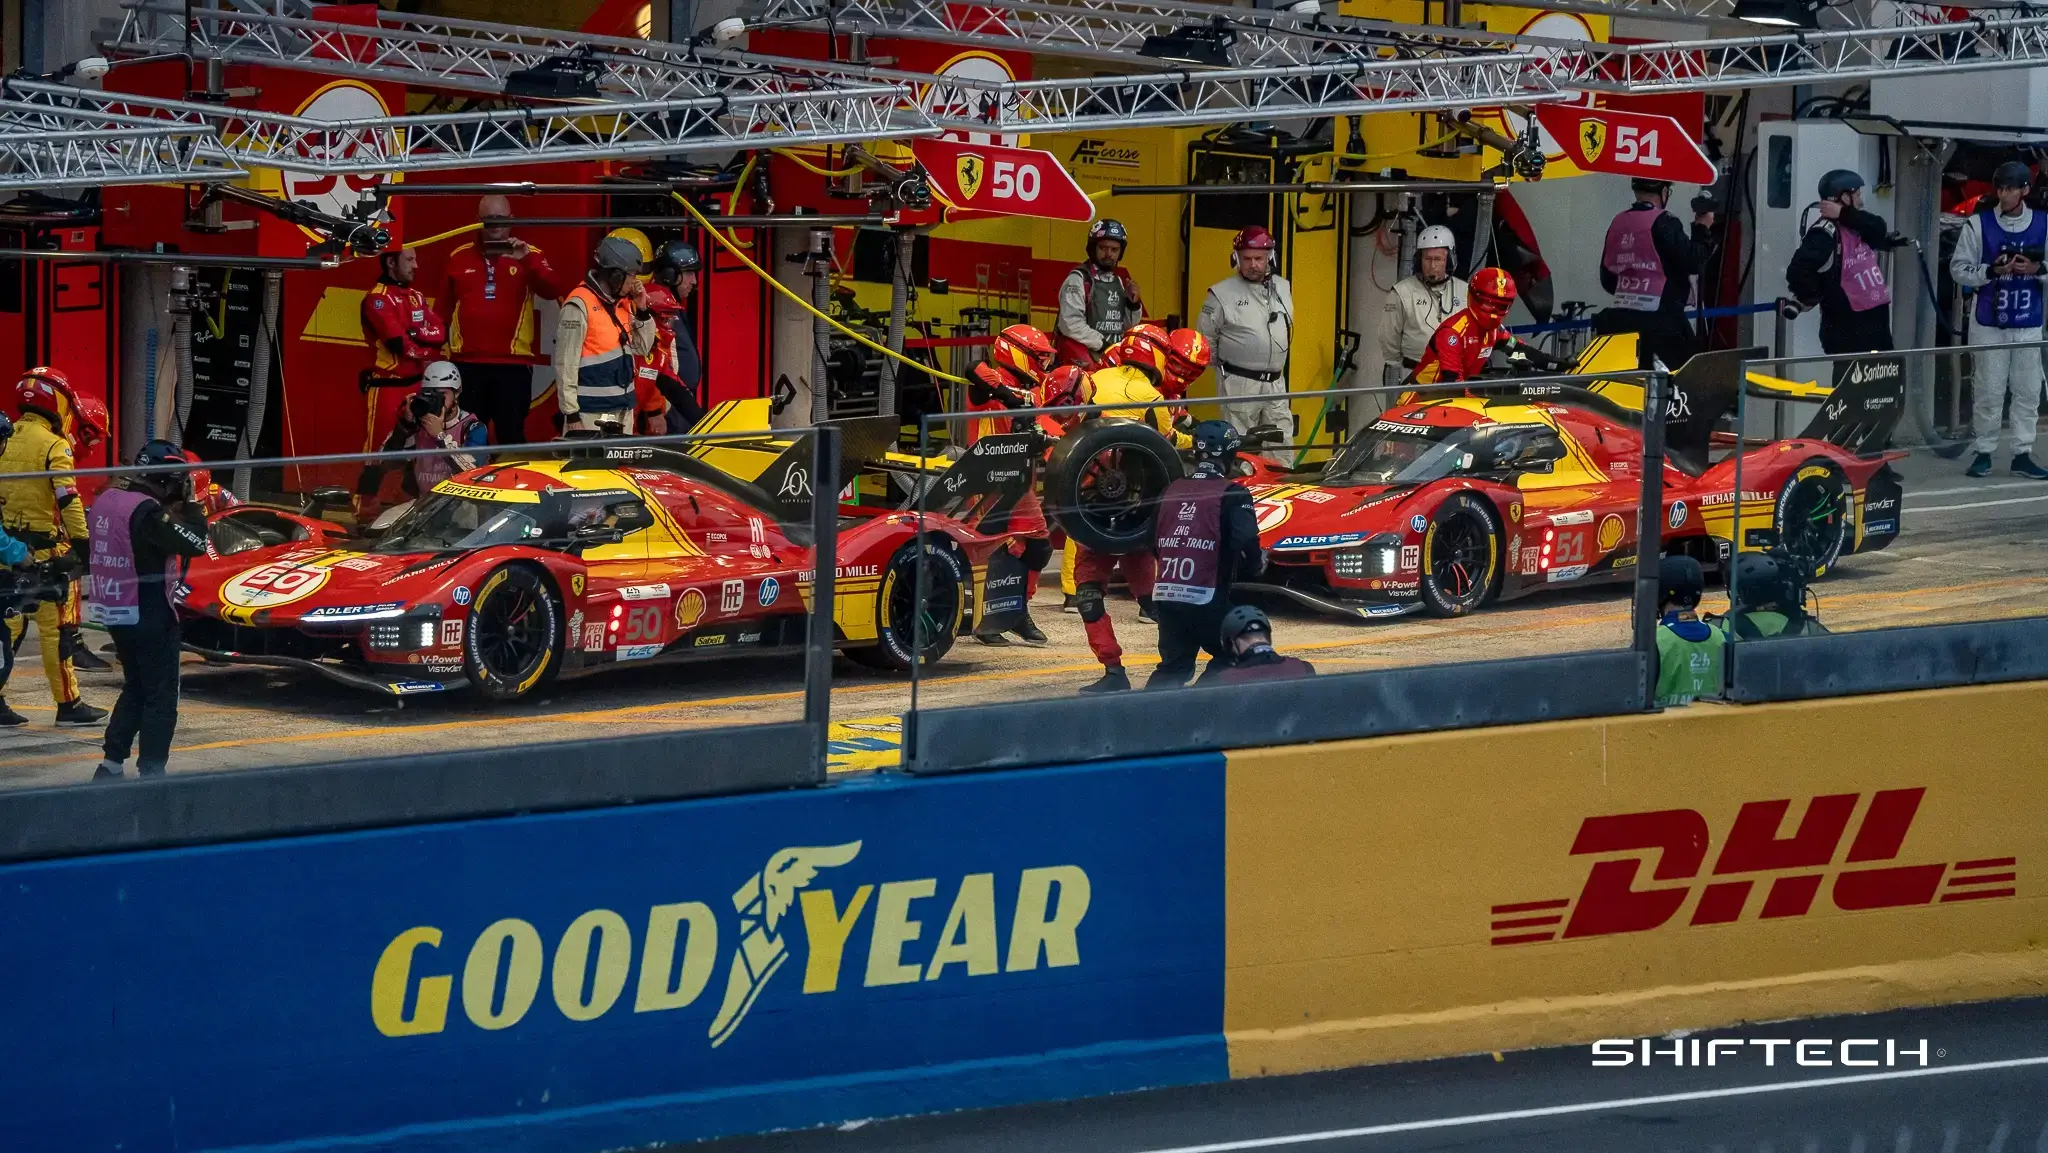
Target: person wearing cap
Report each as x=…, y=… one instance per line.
x=1205, y=536
x=1837, y=268
x=1648, y=262
x=1999, y=254
x=405, y=335
x=1690, y=652
x=490, y=288
x=144, y=530
x=1420, y=302
x=1248, y=317
x=1099, y=301
x=1248, y=655
x=604, y=324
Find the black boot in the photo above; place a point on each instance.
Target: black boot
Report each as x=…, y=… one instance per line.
x=9, y=719
x=78, y=714
x=82, y=656
x=1027, y=630
x=1114, y=680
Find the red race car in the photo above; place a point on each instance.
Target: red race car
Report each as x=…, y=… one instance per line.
x=1445, y=505
x=508, y=576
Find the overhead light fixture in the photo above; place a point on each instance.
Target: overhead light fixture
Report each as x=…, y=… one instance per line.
x=1310, y=8
x=1777, y=13
x=1205, y=44
x=556, y=78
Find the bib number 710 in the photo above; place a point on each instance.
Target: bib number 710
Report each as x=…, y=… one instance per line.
x=1015, y=181
x=1636, y=146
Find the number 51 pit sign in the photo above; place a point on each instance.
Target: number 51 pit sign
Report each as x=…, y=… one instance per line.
x=1627, y=143
x=998, y=179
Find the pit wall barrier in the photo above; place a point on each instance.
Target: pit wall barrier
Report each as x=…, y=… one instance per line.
x=615, y=977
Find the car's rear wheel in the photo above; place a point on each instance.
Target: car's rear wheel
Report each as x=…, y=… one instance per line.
x=901, y=622
x=513, y=644
x=1812, y=515
x=1461, y=556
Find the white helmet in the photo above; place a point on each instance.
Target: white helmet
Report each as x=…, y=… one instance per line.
x=442, y=374
x=1437, y=236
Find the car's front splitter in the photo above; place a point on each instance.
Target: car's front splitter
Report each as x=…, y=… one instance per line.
x=1335, y=606
x=402, y=687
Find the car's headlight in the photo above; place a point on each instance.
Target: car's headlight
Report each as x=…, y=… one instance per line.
x=405, y=635
x=1378, y=557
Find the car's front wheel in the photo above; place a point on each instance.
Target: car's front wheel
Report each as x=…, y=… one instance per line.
x=1461, y=556
x=514, y=640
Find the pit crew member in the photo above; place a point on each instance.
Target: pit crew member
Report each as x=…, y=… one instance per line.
x=13, y=554
x=1248, y=317
x=604, y=323
x=1462, y=348
x=405, y=334
x=1205, y=535
x=1017, y=362
x=1999, y=253
x=490, y=290
x=46, y=514
x=1099, y=301
x=143, y=531
x=1420, y=303
x=678, y=370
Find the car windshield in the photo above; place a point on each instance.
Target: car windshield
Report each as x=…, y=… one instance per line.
x=439, y=522
x=1400, y=452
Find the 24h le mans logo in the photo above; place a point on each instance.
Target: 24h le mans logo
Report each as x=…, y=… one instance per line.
x=1796, y=867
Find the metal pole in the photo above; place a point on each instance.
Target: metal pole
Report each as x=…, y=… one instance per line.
x=1650, y=530
x=820, y=631
x=181, y=348
x=1482, y=234
x=259, y=379
x=1782, y=340
x=821, y=333
x=1404, y=256
x=899, y=304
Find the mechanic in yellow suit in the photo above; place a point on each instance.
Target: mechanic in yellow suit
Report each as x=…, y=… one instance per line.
x=47, y=514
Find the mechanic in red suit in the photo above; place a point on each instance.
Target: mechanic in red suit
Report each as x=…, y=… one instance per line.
x=490, y=290
x=1018, y=360
x=406, y=334
x=1142, y=369
x=1464, y=343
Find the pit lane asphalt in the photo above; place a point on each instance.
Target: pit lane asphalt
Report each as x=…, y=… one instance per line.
x=1969, y=550
x=1984, y=1090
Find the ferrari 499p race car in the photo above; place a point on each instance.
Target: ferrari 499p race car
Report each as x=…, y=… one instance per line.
x=508, y=576
x=1447, y=503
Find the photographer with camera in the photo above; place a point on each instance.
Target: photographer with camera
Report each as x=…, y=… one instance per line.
x=434, y=418
x=1998, y=253
x=144, y=530
x=45, y=513
x=1691, y=653
x=489, y=292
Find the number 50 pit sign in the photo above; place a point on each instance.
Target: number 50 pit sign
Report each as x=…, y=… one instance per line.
x=1006, y=181
x=1627, y=143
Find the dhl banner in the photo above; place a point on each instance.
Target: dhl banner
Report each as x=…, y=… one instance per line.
x=883, y=946
x=626, y=976
x=1504, y=888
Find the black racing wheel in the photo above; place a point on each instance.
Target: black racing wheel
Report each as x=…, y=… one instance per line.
x=1812, y=514
x=514, y=640
x=1461, y=556
x=1103, y=479
x=900, y=622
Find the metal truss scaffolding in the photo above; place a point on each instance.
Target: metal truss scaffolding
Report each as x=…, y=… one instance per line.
x=47, y=147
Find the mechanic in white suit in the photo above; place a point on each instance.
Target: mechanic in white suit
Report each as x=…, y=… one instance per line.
x=1999, y=253
x=1248, y=318
x=1419, y=304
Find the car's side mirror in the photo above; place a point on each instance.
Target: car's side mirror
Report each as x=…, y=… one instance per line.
x=1541, y=456
x=331, y=496
x=1264, y=434
x=596, y=534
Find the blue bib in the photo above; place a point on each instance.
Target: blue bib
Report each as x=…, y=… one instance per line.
x=2010, y=301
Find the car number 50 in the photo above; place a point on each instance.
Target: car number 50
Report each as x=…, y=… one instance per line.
x=1634, y=146
x=1016, y=181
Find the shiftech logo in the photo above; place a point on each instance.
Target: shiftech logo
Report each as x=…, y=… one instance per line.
x=677, y=946
x=1789, y=870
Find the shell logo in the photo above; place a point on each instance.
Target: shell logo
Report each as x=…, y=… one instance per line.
x=1611, y=531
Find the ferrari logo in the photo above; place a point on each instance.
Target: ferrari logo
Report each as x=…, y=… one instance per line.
x=1592, y=138
x=576, y=584
x=969, y=168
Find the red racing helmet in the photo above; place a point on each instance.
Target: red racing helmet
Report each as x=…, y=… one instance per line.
x=1187, y=354
x=1143, y=345
x=1061, y=386
x=89, y=427
x=1024, y=351
x=1492, y=293
x=48, y=391
x=1254, y=236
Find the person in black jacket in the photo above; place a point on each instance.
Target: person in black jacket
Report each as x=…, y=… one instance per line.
x=1205, y=536
x=1248, y=655
x=1837, y=268
x=1648, y=262
x=142, y=531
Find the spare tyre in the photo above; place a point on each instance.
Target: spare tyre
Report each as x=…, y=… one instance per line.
x=1103, y=480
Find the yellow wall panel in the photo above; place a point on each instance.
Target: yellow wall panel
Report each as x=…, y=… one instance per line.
x=1362, y=877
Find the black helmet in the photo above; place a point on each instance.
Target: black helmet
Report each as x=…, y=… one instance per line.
x=1216, y=442
x=676, y=257
x=1240, y=620
x=1839, y=181
x=1760, y=581
x=6, y=428
x=616, y=254
x=1679, y=579
x=2012, y=174
x=1107, y=229
x=1649, y=184
x=164, y=484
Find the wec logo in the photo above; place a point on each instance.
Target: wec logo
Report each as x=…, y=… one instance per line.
x=1790, y=869
x=678, y=949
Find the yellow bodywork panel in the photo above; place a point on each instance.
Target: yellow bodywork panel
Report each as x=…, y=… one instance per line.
x=1617, y=353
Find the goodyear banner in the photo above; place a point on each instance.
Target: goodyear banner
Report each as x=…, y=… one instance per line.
x=628, y=975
